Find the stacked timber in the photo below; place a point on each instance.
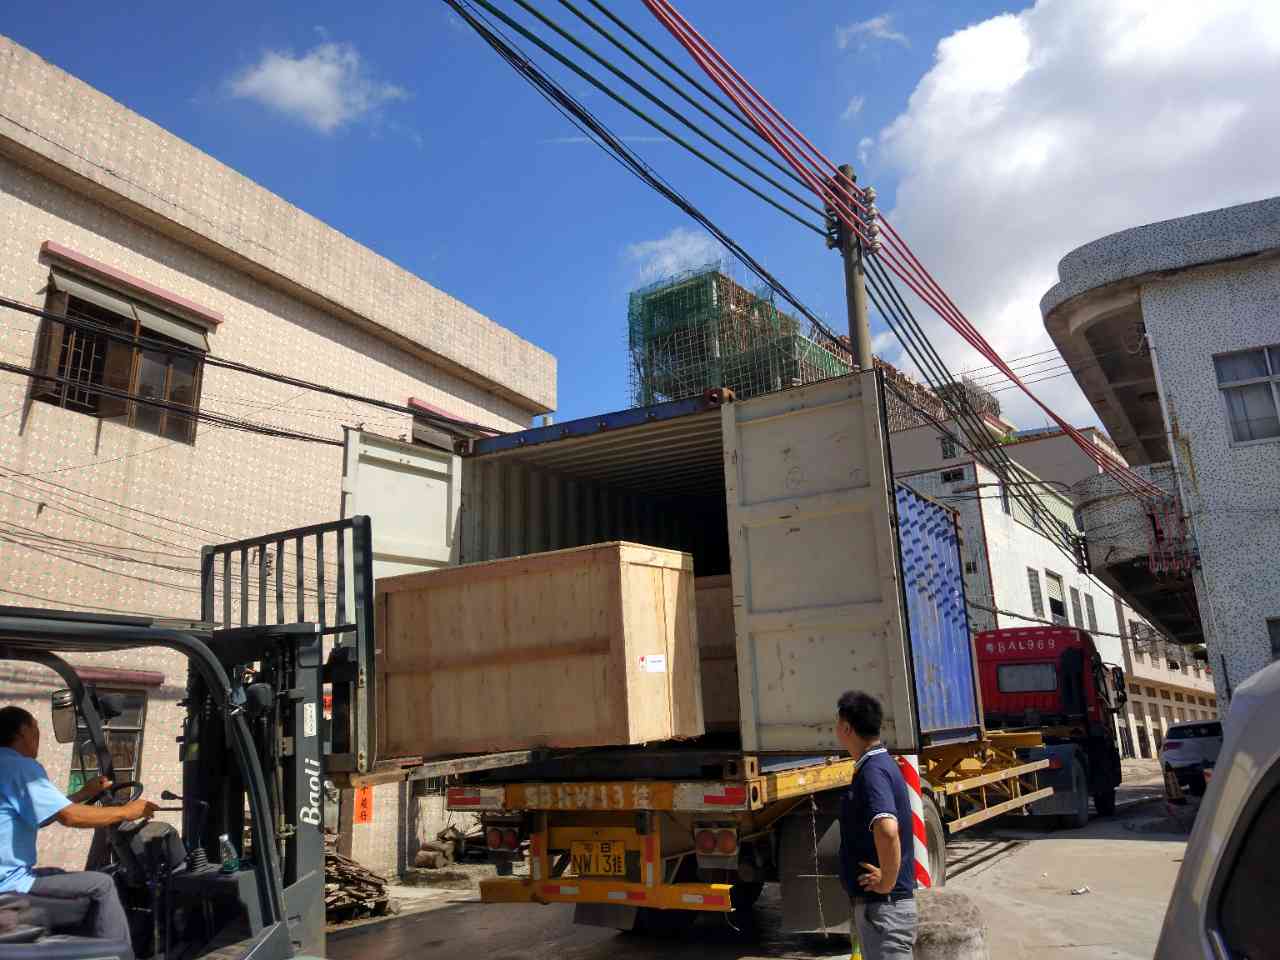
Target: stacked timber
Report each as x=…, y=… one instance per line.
x=352, y=892
x=594, y=646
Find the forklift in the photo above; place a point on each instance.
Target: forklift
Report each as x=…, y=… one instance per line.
x=255, y=749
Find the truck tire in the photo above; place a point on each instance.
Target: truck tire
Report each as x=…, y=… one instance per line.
x=744, y=895
x=1080, y=793
x=936, y=841
x=652, y=922
x=1105, y=802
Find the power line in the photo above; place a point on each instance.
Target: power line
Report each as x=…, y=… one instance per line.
x=625, y=103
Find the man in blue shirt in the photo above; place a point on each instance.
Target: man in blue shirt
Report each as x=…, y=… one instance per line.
x=877, y=852
x=28, y=801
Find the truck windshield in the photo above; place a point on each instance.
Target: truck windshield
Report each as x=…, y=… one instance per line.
x=1027, y=677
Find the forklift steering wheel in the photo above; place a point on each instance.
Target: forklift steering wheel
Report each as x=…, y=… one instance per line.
x=134, y=787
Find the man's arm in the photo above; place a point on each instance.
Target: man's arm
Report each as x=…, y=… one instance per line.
x=888, y=852
x=86, y=816
x=90, y=790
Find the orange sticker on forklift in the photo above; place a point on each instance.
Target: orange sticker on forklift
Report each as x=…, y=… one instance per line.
x=363, y=811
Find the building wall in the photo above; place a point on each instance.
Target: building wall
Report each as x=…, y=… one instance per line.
x=78, y=136
x=1231, y=491
x=95, y=515
x=1057, y=457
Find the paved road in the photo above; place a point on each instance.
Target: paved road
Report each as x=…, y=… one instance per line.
x=473, y=931
x=1032, y=867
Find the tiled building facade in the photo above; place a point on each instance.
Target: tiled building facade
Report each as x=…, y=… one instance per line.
x=105, y=503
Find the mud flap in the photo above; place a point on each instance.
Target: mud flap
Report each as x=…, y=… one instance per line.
x=809, y=902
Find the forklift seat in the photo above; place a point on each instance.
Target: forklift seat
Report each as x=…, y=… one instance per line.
x=25, y=922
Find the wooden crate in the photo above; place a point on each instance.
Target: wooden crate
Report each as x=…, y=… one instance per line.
x=595, y=646
x=718, y=652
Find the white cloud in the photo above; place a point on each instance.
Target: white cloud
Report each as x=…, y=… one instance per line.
x=1037, y=132
x=864, y=150
x=854, y=108
x=877, y=28
x=326, y=87
x=682, y=249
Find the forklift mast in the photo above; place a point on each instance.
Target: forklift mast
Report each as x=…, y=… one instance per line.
x=293, y=618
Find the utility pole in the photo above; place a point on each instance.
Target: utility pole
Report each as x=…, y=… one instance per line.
x=855, y=285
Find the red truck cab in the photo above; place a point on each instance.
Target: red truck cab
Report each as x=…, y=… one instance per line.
x=1052, y=679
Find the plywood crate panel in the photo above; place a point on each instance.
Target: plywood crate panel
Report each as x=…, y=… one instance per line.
x=718, y=652
x=595, y=646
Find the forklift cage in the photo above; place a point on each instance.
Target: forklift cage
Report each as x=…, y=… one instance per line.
x=244, y=584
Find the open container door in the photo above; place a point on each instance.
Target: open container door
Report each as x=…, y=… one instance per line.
x=410, y=492
x=818, y=604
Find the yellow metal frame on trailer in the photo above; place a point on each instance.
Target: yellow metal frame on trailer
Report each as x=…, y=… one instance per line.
x=973, y=782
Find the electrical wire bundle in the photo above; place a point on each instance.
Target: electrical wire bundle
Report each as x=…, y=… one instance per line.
x=977, y=437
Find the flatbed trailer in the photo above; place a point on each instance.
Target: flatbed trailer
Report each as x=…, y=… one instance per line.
x=840, y=578
x=605, y=837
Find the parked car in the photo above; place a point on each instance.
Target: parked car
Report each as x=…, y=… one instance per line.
x=1224, y=900
x=1188, y=749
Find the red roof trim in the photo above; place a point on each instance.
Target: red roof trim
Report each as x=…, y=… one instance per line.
x=440, y=411
x=100, y=270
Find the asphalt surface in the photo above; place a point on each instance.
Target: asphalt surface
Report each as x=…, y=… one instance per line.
x=530, y=932
x=978, y=860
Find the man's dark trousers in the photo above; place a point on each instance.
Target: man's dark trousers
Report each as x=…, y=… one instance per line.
x=106, y=917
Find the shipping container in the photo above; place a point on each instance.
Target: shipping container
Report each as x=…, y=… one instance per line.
x=816, y=574
x=788, y=494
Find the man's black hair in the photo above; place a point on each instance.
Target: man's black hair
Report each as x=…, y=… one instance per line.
x=12, y=722
x=862, y=712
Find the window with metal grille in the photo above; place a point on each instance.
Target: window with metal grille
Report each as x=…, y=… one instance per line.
x=124, y=360
x=1090, y=613
x=1249, y=382
x=1037, y=599
x=124, y=740
x=953, y=476
x=948, y=448
x=1075, y=607
x=1057, y=598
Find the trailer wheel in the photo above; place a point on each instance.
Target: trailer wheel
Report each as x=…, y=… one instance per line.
x=1105, y=802
x=936, y=840
x=652, y=922
x=1079, y=790
x=744, y=895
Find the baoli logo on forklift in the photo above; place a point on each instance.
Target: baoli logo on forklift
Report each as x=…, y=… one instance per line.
x=1021, y=646
x=310, y=813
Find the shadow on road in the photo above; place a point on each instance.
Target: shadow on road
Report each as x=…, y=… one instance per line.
x=531, y=932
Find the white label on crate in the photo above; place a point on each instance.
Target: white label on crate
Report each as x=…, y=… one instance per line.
x=654, y=663
x=309, y=719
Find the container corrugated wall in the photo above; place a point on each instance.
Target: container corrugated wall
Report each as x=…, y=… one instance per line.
x=937, y=621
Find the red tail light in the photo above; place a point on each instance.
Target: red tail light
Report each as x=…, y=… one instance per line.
x=1055, y=763
x=493, y=838
x=726, y=842
x=705, y=841
x=510, y=839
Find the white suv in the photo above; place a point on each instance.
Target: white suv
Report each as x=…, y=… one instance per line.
x=1188, y=749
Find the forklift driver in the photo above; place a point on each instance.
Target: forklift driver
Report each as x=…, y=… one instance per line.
x=28, y=801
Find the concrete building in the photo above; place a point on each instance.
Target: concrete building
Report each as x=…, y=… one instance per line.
x=105, y=500
x=1173, y=332
x=1015, y=575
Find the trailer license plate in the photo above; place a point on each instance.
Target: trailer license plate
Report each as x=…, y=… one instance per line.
x=599, y=858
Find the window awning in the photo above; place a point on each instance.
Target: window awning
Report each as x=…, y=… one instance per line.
x=149, y=317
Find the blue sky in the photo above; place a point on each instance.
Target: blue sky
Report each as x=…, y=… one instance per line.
x=439, y=157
